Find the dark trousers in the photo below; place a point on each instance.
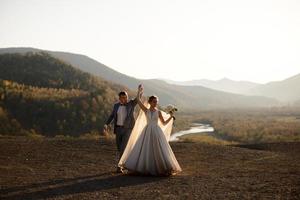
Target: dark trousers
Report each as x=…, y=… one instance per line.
x=122, y=136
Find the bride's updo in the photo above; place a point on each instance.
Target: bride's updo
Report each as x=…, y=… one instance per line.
x=151, y=98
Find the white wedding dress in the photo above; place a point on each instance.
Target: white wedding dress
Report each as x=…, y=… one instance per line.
x=148, y=151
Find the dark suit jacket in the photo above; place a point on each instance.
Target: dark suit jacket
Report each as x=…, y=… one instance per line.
x=129, y=120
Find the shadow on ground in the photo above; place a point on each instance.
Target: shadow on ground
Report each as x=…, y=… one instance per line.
x=84, y=184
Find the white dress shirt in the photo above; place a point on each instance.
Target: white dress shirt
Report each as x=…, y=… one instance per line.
x=121, y=115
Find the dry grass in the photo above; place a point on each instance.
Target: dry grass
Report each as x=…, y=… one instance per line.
x=252, y=126
x=59, y=168
x=34, y=135
x=90, y=136
x=205, y=138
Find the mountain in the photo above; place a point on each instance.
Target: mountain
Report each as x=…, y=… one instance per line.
x=225, y=84
x=83, y=63
x=185, y=97
x=287, y=90
x=42, y=94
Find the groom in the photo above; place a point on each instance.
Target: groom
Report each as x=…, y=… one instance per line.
x=123, y=117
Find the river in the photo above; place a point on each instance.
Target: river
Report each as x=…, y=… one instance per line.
x=195, y=128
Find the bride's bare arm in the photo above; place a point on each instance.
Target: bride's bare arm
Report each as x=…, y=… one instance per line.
x=163, y=120
x=138, y=97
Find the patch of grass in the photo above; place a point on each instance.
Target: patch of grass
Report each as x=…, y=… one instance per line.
x=90, y=136
x=205, y=138
x=253, y=125
x=64, y=137
x=34, y=135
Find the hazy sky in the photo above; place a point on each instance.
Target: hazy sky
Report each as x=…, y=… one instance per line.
x=255, y=40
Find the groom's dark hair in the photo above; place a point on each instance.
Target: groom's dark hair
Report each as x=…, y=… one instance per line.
x=123, y=93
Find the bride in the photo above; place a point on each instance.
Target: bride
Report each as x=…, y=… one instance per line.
x=148, y=151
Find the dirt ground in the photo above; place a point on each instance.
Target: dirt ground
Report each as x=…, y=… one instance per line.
x=85, y=169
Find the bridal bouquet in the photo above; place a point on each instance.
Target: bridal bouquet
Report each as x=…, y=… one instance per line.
x=171, y=109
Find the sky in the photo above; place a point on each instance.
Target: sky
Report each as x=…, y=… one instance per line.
x=257, y=40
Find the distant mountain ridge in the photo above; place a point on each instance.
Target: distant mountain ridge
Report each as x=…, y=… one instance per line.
x=185, y=97
x=225, y=85
x=287, y=90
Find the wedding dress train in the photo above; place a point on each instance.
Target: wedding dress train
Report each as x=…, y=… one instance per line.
x=148, y=150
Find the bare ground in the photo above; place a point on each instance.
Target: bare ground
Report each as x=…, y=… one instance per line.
x=85, y=169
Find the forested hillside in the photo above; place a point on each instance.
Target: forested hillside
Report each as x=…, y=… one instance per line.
x=41, y=94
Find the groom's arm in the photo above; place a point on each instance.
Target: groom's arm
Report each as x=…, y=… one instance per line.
x=134, y=101
x=111, y=116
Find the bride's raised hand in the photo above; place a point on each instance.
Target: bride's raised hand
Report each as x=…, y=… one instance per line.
x=141, y=88
x=140, y=91
x=139, y=95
